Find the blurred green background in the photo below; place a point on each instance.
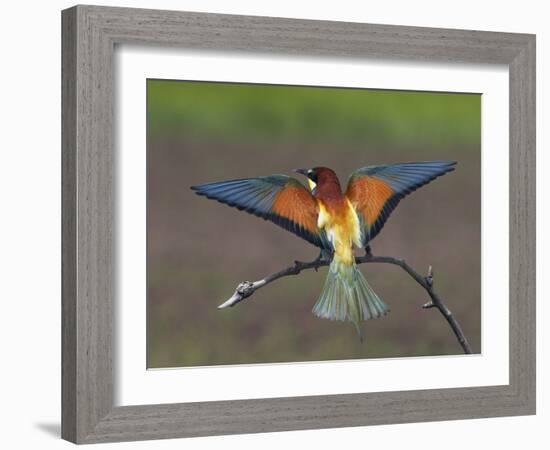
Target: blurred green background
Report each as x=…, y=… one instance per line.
x=199, y=250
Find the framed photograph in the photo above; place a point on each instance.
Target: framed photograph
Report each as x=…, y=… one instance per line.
x=393, y=169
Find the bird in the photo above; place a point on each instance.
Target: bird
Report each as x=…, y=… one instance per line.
x=334, y=220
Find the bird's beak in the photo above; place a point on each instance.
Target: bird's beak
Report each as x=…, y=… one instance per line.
x=302, y=171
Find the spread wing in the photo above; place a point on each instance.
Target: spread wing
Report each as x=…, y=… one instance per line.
x=374, y=191
x=279, y=198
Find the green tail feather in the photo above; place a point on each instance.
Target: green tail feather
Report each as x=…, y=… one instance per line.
x=346, y=295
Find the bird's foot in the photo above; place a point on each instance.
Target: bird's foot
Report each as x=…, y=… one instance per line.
x=318, y=260
x=324, y=257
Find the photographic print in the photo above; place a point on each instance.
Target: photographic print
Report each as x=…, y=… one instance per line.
x=330, y=223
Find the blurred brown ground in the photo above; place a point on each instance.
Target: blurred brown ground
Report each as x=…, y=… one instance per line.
x=199, y=250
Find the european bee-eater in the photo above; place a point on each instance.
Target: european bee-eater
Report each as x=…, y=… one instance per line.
x=333, y=220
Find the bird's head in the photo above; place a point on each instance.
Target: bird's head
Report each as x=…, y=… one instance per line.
x=316, y=175
x=311, y=175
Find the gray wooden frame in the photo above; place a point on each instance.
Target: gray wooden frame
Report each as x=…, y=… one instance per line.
x=90, y=34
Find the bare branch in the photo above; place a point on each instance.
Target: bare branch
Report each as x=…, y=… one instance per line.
x=246, y=289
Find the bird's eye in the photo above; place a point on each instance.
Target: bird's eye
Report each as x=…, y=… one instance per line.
x=312, y=175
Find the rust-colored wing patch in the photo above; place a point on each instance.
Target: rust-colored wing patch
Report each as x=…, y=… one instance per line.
x=295, y=203
x=368, y=196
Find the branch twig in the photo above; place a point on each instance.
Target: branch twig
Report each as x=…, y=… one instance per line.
x=247, y=288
